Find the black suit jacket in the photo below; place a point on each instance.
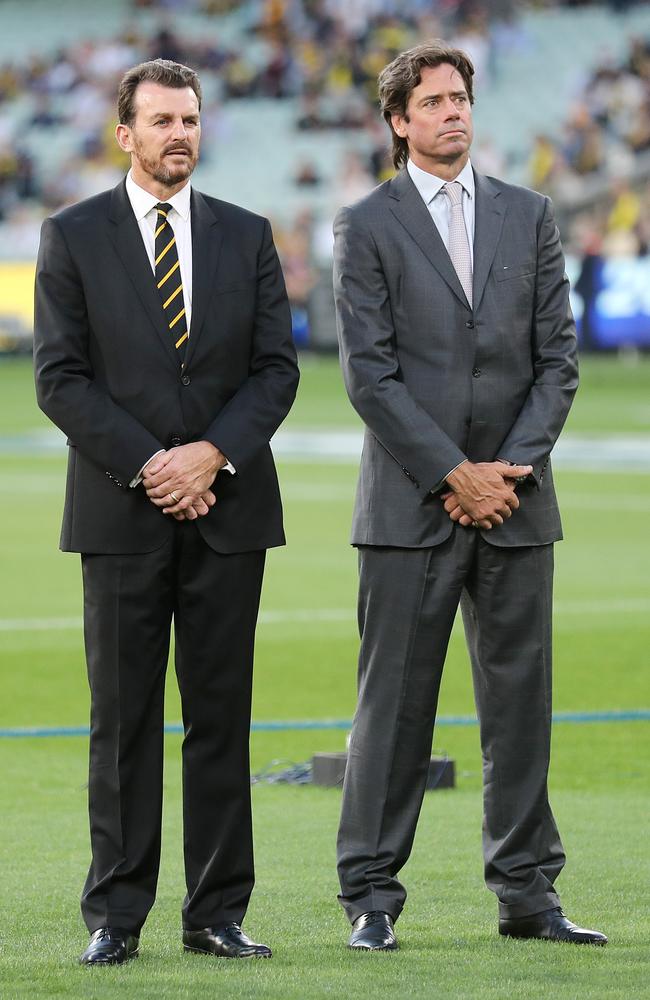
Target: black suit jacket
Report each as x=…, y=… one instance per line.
x=108, y=375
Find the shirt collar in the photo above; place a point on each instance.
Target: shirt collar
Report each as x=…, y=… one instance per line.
x=142, y=201
x=429, y=185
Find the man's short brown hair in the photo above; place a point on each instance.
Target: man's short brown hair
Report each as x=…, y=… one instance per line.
x=162, y=71
x=399, y=79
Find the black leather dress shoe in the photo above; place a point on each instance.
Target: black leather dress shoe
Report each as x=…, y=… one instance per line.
x=110, y=946
x=551, y=925
x=228, y=941
x=373, y=931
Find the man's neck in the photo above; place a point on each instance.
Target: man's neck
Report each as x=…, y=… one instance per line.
x=163, y=192
x=446, y=170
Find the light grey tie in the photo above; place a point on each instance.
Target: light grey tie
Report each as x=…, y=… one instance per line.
x=458, y=247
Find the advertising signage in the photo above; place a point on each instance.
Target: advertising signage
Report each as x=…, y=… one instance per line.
x=610, y=299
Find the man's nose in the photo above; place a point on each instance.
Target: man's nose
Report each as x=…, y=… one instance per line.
x=179, y=131
x=451, y=109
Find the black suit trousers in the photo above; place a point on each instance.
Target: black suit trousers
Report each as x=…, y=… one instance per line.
x=130, y=602
x=408, y=599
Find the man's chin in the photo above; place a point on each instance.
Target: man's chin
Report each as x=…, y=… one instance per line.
x=176, y=175
x=454, y=153
x=455, y=145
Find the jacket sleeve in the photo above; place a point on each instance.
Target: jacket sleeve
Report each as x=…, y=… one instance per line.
x=425, y=453
x=65, y=386
x=554, y=354
x=253, y=414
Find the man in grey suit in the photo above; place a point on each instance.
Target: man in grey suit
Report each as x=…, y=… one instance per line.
x=458, y=350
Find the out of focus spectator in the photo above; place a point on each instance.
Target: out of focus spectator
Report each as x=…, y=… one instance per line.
x=307, y=174
x=354, y=180
x=625, y=210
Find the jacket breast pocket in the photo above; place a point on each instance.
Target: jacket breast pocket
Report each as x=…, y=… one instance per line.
x=243, y=285
x=505, y=272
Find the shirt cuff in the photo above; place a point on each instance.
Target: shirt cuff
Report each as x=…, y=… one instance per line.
x=443, y=481
x=228, y=467
x=138, y=479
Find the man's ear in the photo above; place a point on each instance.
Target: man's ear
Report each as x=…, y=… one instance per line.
x=123, y=136
x=399, y=125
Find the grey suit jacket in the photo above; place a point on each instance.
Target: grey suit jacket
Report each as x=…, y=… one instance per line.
x=436, y=381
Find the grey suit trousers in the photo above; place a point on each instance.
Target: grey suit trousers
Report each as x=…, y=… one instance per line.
x=408, y=599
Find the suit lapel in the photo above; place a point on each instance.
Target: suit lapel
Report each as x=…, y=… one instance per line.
x=127, y=239
x=414, y=215
x=409, y=208
x=488, y=223
x=207, y=237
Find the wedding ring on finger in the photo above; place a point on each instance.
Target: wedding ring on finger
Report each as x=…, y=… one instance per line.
x=174, y=497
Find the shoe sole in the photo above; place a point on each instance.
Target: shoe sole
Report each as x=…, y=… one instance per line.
x=134, y=954
x=364, y=947
x=213, y=954
x=555, y=940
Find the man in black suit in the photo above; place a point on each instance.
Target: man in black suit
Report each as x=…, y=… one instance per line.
x=459, y=352
x=163, y=350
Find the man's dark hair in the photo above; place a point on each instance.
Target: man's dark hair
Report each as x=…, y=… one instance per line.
x=162, y=71
x=399, y=79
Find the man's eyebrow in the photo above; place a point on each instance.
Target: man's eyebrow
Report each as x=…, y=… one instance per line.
x=435, y=97
x=152, y=115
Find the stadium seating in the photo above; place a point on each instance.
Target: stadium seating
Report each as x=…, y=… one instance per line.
x=258, y=148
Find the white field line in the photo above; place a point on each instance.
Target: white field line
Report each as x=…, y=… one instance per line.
x=577, y=452
x=53, y=485
x=307, y=616
x=295, y=616
x=312, y=492
x=298, y=492
x=602, y=453
x=39, y=624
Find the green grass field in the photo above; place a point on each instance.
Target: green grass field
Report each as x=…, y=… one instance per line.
x=305, y=670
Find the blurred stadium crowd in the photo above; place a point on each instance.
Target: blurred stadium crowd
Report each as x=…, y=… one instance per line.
x=320, y=59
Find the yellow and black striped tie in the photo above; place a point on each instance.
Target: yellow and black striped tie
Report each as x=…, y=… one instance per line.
x=169, y=281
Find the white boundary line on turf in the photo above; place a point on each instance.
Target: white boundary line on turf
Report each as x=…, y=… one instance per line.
x=296, y=615
x=584, y=452
x=623, y=605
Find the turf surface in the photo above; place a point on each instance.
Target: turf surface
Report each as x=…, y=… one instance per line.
x=305, y=669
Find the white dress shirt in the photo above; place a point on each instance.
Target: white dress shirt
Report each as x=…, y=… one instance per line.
x=180, y=219
x=430, y=190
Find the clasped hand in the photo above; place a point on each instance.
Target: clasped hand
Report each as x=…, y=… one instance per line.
x=482, y=494
x=187, y=472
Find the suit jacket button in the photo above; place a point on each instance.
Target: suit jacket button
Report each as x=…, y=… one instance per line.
x=469, y=324
x=476, y=372
x=175, y=441
x=185, y=379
